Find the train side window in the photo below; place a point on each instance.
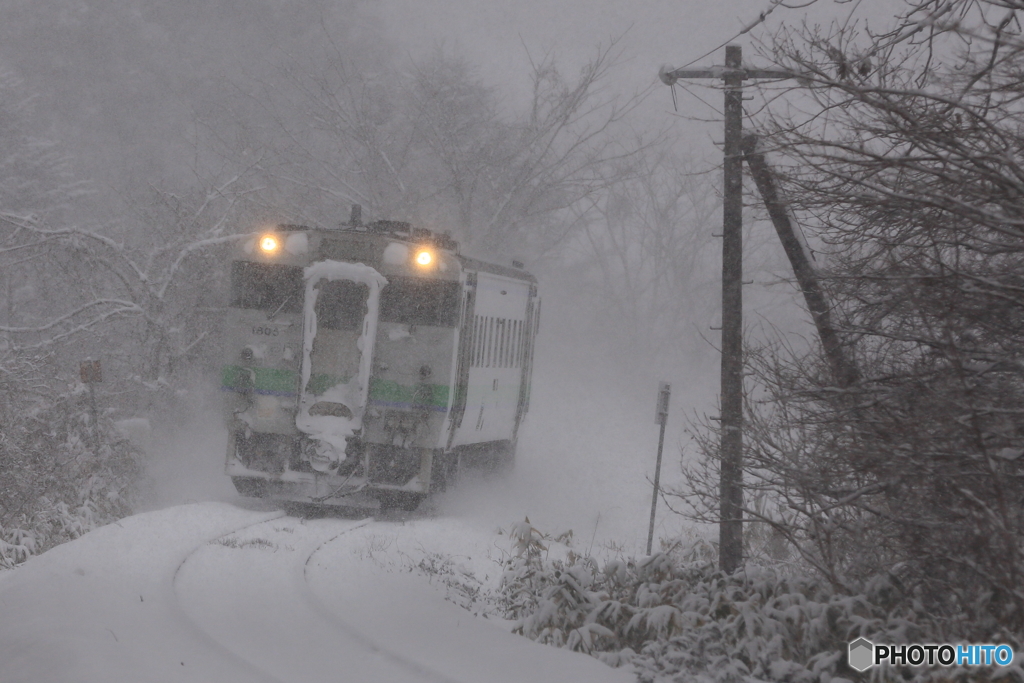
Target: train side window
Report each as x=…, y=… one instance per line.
x=515, y=342
x=522, y=343
x=490, y=342
x=480, y=341
x=512, y=345
x=487, y=342
x=495, y=358
x=506, y=353
x=501, y=343
x=506, y=357
x=494, y=343
x=483, y=341
x=474, y=342
x=524, y=349
x=504, y=341
x=525, y=341
x=519, y=349
x=508, y=343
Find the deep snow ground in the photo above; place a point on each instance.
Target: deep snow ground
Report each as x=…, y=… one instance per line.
x=218, y=592
x=235, y=590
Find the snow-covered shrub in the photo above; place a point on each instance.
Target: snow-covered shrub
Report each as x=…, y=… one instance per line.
x=551, y=601
x=677, y=619
x=60, y=475
x=461, y=586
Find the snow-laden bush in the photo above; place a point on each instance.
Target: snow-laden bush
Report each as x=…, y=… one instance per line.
x=676, y=617
x=60, y=475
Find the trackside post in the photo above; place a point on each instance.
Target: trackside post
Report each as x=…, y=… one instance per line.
x=660, y=417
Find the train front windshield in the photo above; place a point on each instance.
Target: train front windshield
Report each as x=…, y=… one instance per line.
x=270, y=287
x=418, y=301
x=277, y=288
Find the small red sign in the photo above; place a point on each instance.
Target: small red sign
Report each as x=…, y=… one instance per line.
x=91, y=371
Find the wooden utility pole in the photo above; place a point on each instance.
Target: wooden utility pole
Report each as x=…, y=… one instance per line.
x=844, y=372
x=730, y=543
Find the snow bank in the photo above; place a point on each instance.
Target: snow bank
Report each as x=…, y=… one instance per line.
x=211, y=592
x=430, y=620
x=101, y=608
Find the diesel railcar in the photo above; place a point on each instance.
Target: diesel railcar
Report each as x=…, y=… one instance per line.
x=366, y=364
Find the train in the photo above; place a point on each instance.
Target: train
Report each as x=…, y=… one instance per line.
x=369, y=364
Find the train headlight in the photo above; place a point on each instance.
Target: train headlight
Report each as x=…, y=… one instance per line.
x=269, y=244
x=424, y=257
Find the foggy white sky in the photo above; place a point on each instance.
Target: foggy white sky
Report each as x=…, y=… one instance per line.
x=496, y=36
x=501, y=38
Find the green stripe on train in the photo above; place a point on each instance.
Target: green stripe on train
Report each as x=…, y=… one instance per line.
x=261, y=380
x=285, y=382
x=320, y=383
x=430, y=396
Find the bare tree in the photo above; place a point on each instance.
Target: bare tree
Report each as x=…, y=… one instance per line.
x=905, y=159
x=61, y=473
x=436, y=146
x=143, y=295
x=643, y=260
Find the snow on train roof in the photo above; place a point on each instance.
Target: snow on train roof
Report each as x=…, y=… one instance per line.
x=405, y=232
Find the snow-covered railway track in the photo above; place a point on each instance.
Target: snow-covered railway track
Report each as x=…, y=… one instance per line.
x=210, y=641
x=216, y=593
x=248, y=592
x=421, y=672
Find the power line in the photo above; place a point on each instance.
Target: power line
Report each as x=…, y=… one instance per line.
x=746, y=29
x=693, y=94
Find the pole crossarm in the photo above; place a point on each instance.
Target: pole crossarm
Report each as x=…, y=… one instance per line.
x=669, y=76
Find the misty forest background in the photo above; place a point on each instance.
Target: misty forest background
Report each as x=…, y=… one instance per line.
x=137, y=139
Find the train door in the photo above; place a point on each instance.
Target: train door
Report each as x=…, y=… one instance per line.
x=340, y=321
x=339, y=309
